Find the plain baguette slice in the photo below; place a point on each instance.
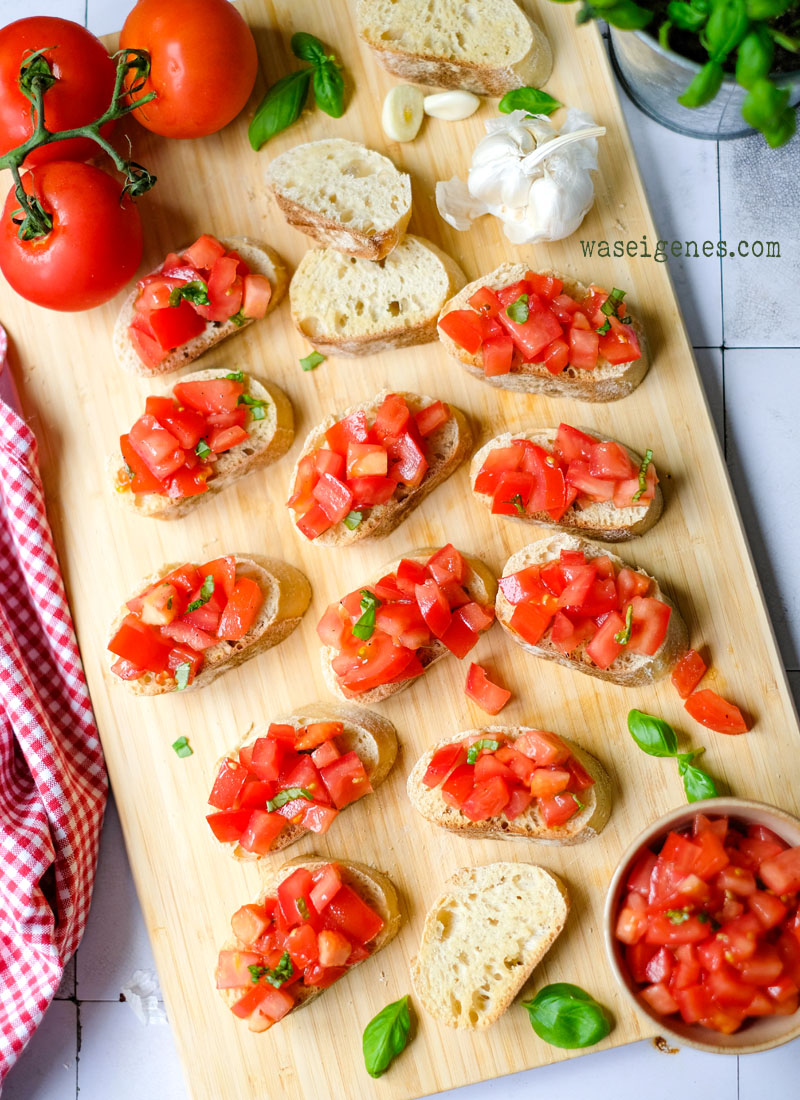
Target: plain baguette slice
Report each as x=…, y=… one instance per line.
x=582, y=826
x=269, y=440
x=351, y=307
x=481, y=586
x=373, y=886
x=287, y=595
x=484, y=46
x=607, y=382
x=482, y=937
x=629, y=669
x=596, y=519
x=343, y=195
x=372, y=736
x=445, y=449
x=260, y=258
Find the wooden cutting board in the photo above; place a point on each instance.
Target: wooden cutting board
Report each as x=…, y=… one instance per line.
x=79, y=402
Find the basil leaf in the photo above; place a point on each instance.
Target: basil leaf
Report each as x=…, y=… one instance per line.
x=782, y=130
x=622, y=637
x=289, y=794
x=366, y=624
x=518, y=310
x=195, y=292
x=485, y=743
x=329, y=88
x=302, y=908
x=312, y=361
x=182, y=677
x=627, y=16
x=182, y=746
x=238, y=318
x=653, y=735
x=280, y=107
x=532, y=100
x=648, y=458
x=754, y=57
x=202, y=450
x=687, y=17
x=663, y=39
x=385, y=1036
x=704, y=86
x=767, y=9
x=763, y=103
x=352, y=520
x=206, y=592
x=255, y=406
x=612, y=303
x=726, y=27
x=696, y=783
x=235, y=376
x=308, y=48
x=566, y=1016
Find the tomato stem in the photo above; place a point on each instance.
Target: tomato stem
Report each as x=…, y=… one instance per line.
x=35, y=77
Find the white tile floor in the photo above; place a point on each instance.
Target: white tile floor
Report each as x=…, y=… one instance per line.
x=743, y=319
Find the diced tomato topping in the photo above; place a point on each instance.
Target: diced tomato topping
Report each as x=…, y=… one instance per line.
x=463, y=326
x=688, y=673
x=716, y=713
x=488, y=695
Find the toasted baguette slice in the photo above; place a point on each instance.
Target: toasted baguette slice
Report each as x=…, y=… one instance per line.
x=484, y=46
x=482, y=588
x=260, y=258
x=373, y=737
x=529, y=825
x=482, y=937
x=343, y=195
x=607, y=382
x=269, y=440
x=596, y=519
x=287, y=595
x=373, y=886
x=629, y=669
x=445, y=449
x=346, y=306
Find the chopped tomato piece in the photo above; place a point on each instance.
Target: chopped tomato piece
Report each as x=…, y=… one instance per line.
x=488, y=695
x=241, y=609
x=716, y=713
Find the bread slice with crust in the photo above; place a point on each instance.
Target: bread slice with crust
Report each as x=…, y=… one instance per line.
x=482, y=938
x=370, y=735
x=584, y=825
x=373, y=886
x=483, y=46
x=595, y=519
x=260, y=258
x=343, y=195
x=481, y=586
x=445, y=450
x=607, y=382
x=287, y=595
x=629, y=669
x=269, y=440
x=351, y=307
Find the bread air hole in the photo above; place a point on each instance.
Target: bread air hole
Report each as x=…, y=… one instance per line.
x=444, y=921
x=394, y=308
x=358, y=169
x=511, y=964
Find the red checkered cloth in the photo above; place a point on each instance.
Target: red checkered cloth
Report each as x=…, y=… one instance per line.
x=52, y=775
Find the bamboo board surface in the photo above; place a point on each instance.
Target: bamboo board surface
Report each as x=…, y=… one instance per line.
x=79, y=401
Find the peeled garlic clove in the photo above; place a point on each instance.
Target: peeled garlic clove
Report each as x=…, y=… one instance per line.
x=402, y=112
x=451, y=106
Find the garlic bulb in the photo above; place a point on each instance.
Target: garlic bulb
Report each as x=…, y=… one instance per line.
x=533, y=177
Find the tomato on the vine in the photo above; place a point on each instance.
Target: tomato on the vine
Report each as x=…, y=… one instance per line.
x=84, y=85
x=203, y=64
x=93, y=249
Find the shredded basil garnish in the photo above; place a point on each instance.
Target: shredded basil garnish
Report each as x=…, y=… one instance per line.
x=182, y=746
x=622, y=637
x=206, y=592
x=648, y=458
x=289, y=794
x=366, y=624
x=277, y=976
x=518, y=311
x=312, y=360
x=352, y=520
x=202, y=450
x=182, y=676
x=195, y=292
x=485, y=743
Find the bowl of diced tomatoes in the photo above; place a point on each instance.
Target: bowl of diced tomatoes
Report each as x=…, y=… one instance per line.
x=702, y=925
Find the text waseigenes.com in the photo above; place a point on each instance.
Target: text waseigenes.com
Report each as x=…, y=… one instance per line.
x=661, y=251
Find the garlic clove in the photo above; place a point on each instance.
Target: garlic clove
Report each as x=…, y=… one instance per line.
x=402, y=113
x=452, y=106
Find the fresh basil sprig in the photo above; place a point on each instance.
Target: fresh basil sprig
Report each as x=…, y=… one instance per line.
x=657, y=738
x=518, y=310
x=385, y=1036
x=288, y=794
x=567, y=1016
x=195, y=292
x=487, y=743
x=366, y=624
x=285, y=100
x=532, y=100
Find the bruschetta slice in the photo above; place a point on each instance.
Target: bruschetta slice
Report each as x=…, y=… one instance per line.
x=294, y=776
x=379, y=638
x=362, y=472
x=337, y=913
x=568, y=600
x=482, y=937
x=187, y=624
x=197, y=297
x=571, y=479
x=512, y=782
x=205, y=433
x=545, y=333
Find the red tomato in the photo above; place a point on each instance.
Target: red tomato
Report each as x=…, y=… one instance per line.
x=137, y=643
x=443, y=761
x=432, y=417
x=350, y=914
x=688, y=673
x=203, y=64
x=781, y=873
x=558, y=809
x=487, y=799
x=82, y=92
x=464, y=328
x=92, y=250
x=228, y=785
x=241, y=609
x=346, y=780
x=498, y=355
x=604, y=648
x=434, y=607
x=489, y=696
x=262, y=830
x=711, y=710
x=327, y=883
